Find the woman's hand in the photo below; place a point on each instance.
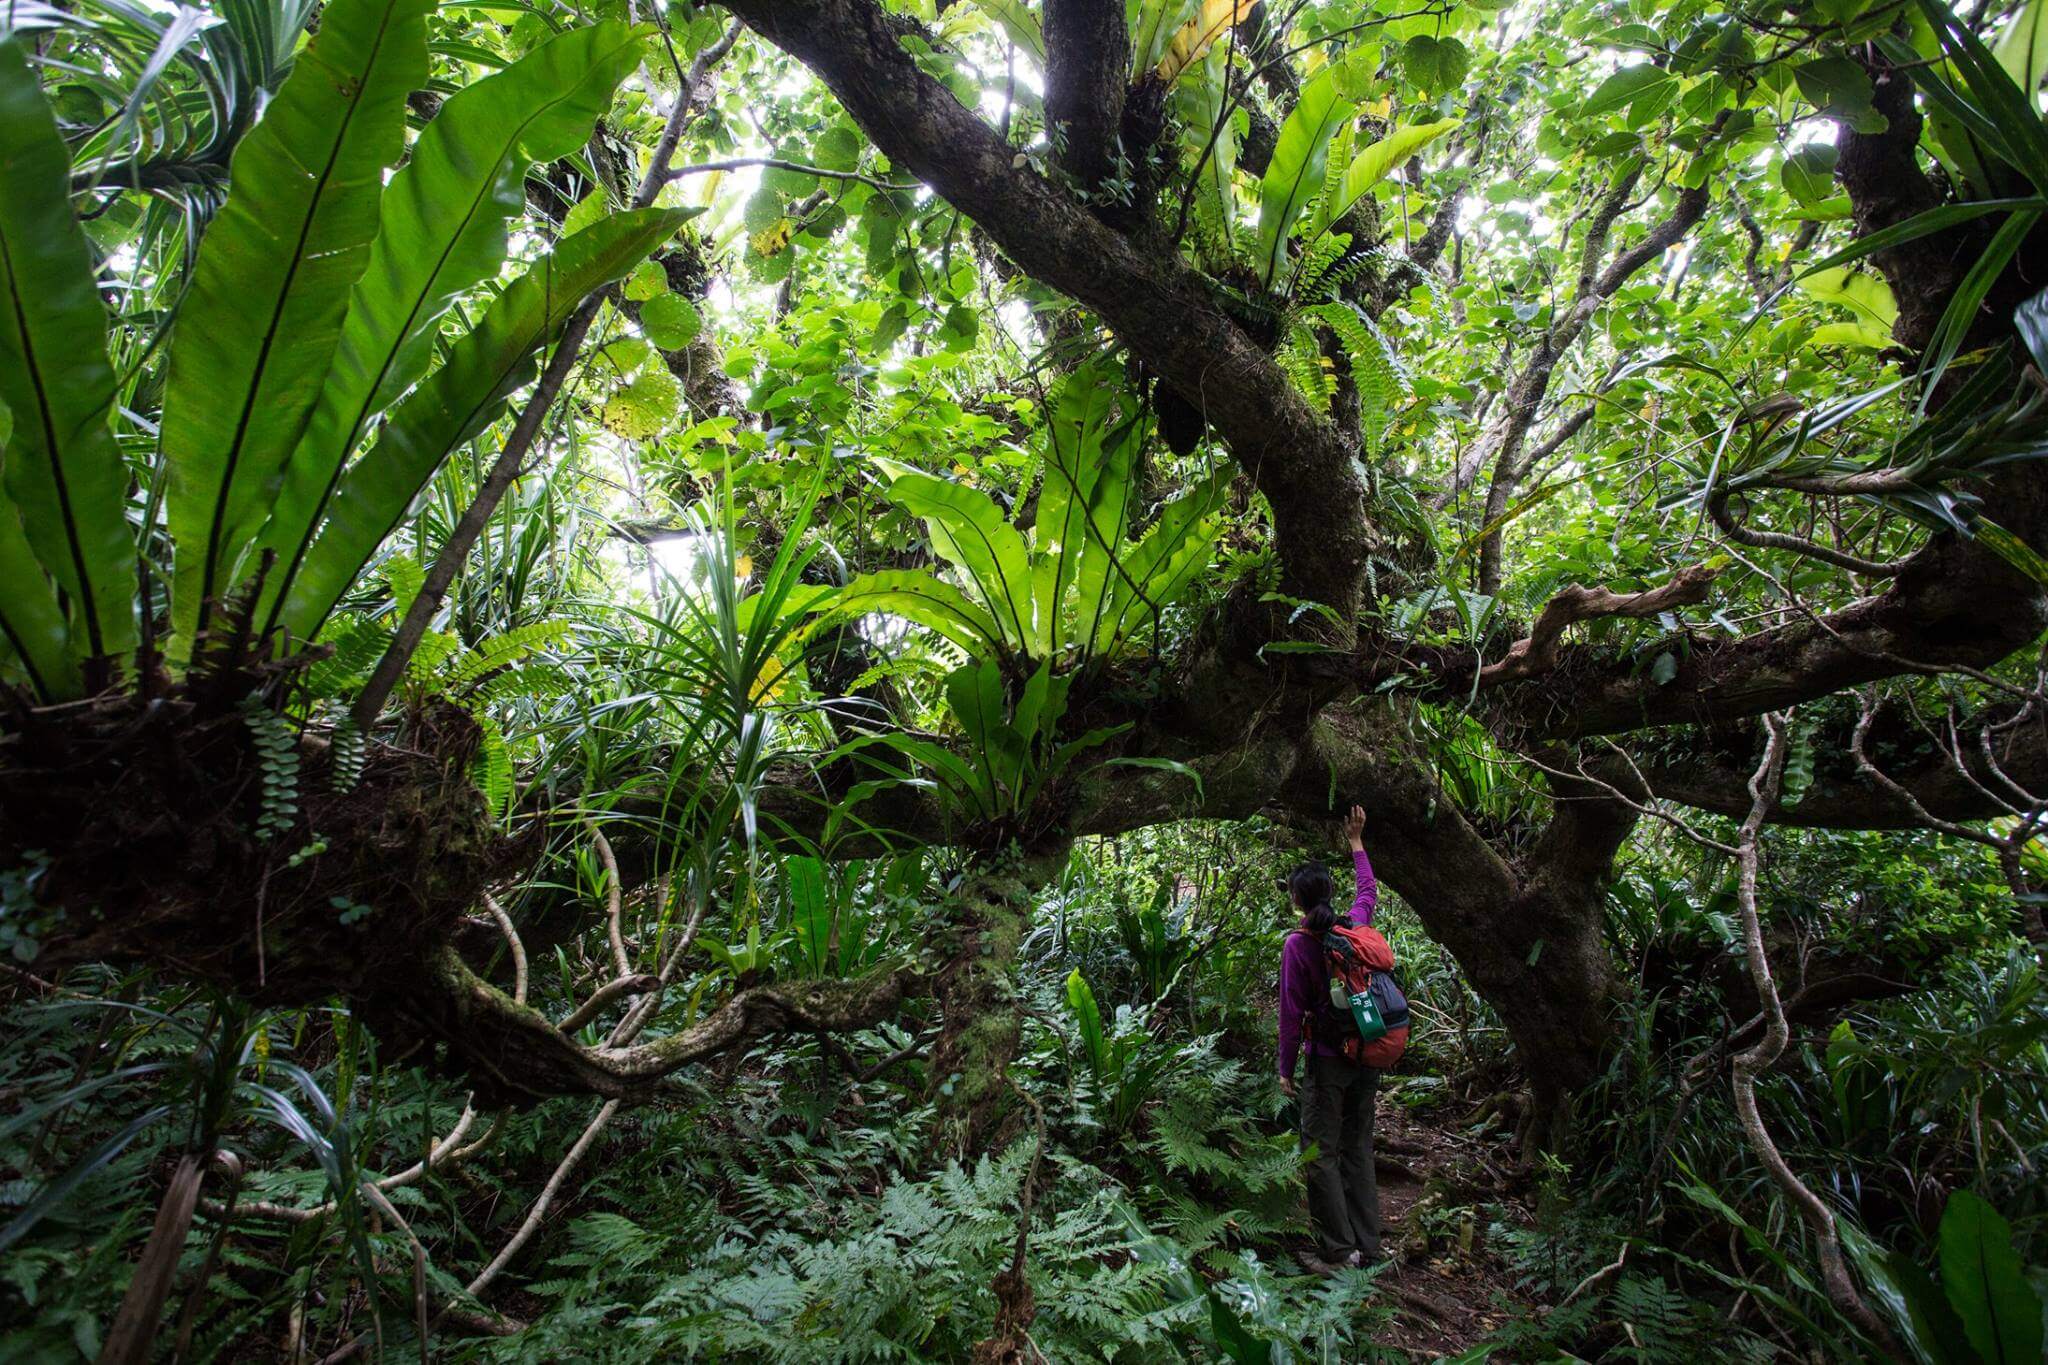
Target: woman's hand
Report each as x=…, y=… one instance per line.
x=1354, y=828
x=1287, y=1086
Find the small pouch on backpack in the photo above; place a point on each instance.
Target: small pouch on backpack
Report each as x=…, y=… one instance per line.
x=1365, y=1013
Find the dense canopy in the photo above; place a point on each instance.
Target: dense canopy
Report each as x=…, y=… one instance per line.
x=763, y=588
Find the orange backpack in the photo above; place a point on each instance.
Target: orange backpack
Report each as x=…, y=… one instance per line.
x=1363, y=992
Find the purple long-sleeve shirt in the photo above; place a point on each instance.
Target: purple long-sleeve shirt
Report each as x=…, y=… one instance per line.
x=1305, y=980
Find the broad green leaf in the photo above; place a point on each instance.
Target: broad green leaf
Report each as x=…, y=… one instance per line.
x=1295, y=172
x=1099, y=566
x=969, y=532
x=1073, y=469
x=647, y=281
x=926, y=600
x=1371, y=166
x=61, y=467
x=1861, y=335
x=1809, y=174
x=1043, y=702
x=837, y=148
x=1980, y=1270
x=1919, y=1312
x=1211, y=21
x=1088, y=1019
x=460, y=399
x=1438, y=65
x=1165, y=765
x=1867, y=296
x=2023, y=47
x=1153, y=572
x=670, y=321
x=1151, y=21
x=810, y=911
x=1019, y=24
x=1625, y=87
x=1841, y=89
x=32, y=623
x=1201, y=107
x=257, y=333
x=978, y=700
x=443, y=232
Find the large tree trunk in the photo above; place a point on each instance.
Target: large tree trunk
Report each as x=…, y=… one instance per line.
x=983, y=1019
x=1532, y=945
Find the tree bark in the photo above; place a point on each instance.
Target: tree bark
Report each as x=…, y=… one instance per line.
x=1087, y=68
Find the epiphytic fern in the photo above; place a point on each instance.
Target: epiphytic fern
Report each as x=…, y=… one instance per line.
x=1376, y=370
x=277, y=749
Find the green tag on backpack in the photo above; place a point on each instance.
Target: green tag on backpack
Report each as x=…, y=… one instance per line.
x=1365, y=1012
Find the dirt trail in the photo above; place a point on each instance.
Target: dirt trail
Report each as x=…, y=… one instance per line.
x=1439, y=1189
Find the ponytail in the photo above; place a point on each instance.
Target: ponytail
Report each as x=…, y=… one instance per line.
x=1311, y=889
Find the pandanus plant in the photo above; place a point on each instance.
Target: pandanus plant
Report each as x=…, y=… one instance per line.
x=302, y=411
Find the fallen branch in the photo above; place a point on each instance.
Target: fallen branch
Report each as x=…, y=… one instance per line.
x=1539, y=652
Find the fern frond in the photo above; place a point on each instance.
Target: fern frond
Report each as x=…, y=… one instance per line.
x=506, y=649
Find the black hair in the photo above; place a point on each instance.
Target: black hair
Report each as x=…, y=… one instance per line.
x=1311, y=888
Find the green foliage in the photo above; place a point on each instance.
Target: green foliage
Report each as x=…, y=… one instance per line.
x=1079, y=588
x=63, y=529
x=284, y=357
x=1295, y=174
x=277, y=749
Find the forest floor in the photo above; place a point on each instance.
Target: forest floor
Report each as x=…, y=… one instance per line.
x=1442, y=1191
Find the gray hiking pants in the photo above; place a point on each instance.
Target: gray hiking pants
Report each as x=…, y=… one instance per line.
x=1336, y=1117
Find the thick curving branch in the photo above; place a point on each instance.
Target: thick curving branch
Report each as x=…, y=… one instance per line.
x=1923, y=785
x=1956, y=604
x=1539, y=652
x=516, y=1054
x=1164, y=310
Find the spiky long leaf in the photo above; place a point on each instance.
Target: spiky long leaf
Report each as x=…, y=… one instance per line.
x=258, y=331
x=1073, y=468
x=1152, y=573
x=969, y=531
x=1296, y=171
x=1372, y=165
x=62, y=469
x=928, y=601
x=465, y=395
x=2010, y=109
x=31, y=623
x=443, y=232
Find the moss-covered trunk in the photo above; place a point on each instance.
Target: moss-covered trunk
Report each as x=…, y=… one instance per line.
x=982, y=1016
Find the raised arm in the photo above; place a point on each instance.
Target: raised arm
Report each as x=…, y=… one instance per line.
x=1368, y=898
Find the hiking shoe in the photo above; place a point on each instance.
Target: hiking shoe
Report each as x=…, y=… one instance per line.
x=1314, y=1264
x=1355, y=1259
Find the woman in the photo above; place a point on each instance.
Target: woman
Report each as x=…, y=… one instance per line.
x=1336, y=1097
